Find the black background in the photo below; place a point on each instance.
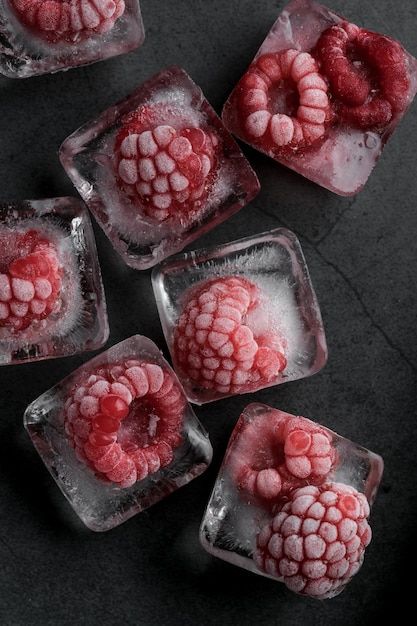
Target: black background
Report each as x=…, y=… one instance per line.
x=362, y=256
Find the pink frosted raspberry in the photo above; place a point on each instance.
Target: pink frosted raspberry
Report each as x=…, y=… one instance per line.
x=308, y=449
x=316, y=542
x=167, y=170
x=276, y=453
x=125, y=420
x=304, y=100
x=69, y=20
x=368, y=74
x=30, y=280
x=217, y=344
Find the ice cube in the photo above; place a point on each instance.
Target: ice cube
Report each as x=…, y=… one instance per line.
x=240, y=317
x=52, y=301
x=38, y=37
x=159, y=169
x=323, y=96
x=291, y=502
x=117, y=434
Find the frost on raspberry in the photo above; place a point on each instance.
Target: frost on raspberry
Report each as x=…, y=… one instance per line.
x=275, y=453
x=125, y=420
x=216, y=342
x=283, y=101
x=30, y=280
x=69, y=20
x=165, y=165
x=316, y=540
x=368, y=75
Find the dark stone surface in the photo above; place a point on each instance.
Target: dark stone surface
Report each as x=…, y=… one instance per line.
x=362, y=257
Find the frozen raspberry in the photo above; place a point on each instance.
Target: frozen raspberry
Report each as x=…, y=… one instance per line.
x=283, y=100
x=307, y=448
x=125, y=420
x=30, y=280
x=167, y=170
x=69, y=20
x=368, y=74
x=316, y=542
x=276, y=453
x=220, y=342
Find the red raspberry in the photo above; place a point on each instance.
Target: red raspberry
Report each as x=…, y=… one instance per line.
x=165, y=168
x=125, y=420
x=69, y=20
x=304, y=107
x=275, y=453
x=30, y=283
x=368, y=74
x=216, y=343
x=316, y=542
x=307, y=448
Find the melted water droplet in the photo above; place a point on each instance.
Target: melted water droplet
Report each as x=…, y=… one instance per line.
x=371, y=140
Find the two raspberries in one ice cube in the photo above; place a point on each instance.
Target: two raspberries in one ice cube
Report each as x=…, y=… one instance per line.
x=353, y=76
x=317, y=532
x=30, y=280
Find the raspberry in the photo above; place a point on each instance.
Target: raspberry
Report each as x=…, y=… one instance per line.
x=165, y=169
x=277, y=453
x=316, y=541
x=124, y=420
x=216, y=343
x=349, y=83
x=69, y=20
x=30, y=283
x=371, y=88
x=288, y=71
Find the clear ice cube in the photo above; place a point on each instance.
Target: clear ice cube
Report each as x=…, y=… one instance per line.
x=323, y=105
x=52, y=302
x=118, y=435
x=158, y=169
x=291, y=502
x=240, y=317
x=38, y=39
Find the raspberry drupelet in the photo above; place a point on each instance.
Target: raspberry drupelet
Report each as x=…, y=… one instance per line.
x=69, y=20
x=125, y=420
x=166, y=171
x=217, y=341
x=274, y=456
x=30, y=280
x=316, y=540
